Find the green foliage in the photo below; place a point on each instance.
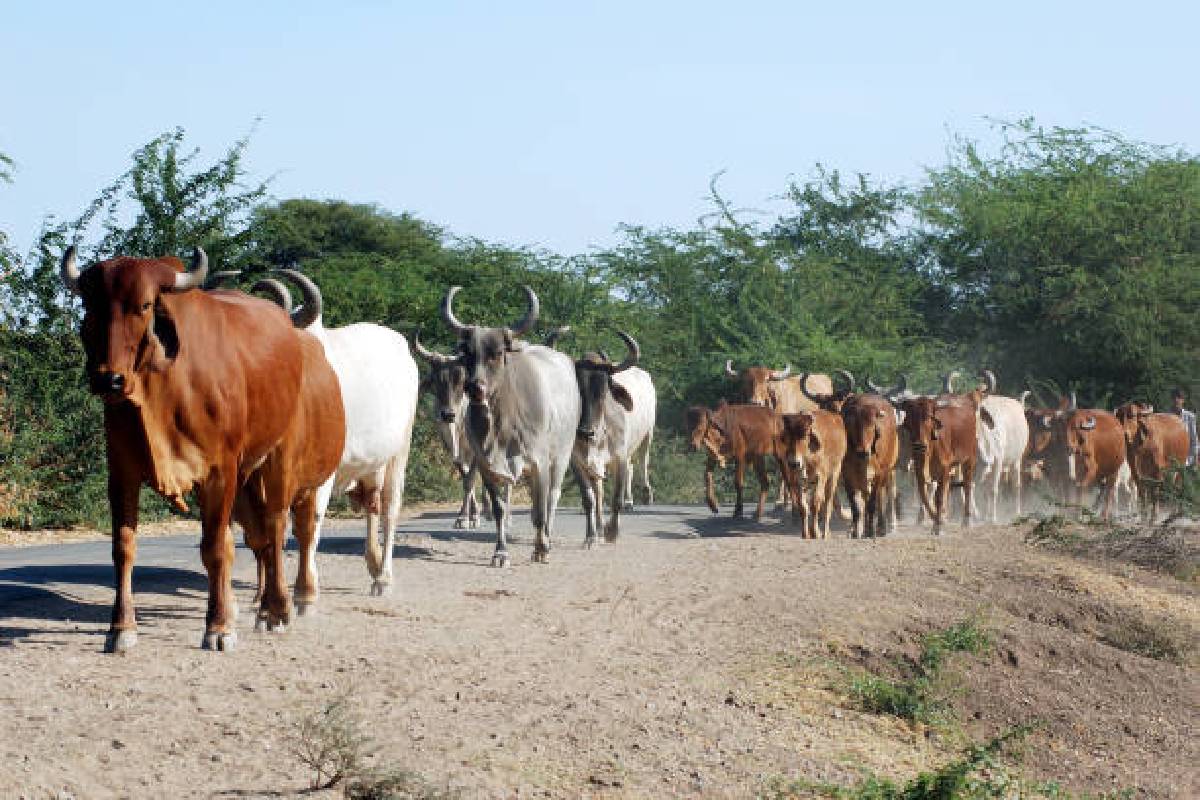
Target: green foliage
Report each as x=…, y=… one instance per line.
x=981, y=772
x=916, y=696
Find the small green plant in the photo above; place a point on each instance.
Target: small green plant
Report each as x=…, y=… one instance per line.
x=915, y=697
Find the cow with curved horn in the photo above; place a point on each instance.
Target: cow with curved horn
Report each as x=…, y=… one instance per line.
x=523, y=408
x=616, y=420
x=447, y=383
x=379, y=381
x=942, y=436
x=778, y=390
x=1095, y=449
x=1002, y=434
x=212, y=391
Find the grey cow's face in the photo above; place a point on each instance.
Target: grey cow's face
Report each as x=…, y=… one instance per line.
x=483, y=352
x=593, y=375
x=448, y=383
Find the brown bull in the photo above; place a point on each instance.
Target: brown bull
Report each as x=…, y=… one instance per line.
x=1153, y=444
x=212, y=391
x=868, y=469
x=815, y=444
x=744, y=433
x=1095, y=454
x=942, y=434
x=779, y=390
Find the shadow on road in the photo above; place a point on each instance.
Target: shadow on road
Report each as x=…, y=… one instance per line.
x=709, y=526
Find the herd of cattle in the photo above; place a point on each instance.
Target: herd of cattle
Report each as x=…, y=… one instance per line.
x=266, y=414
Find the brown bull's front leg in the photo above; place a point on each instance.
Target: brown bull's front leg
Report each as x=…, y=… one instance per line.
x=710, y=489
x=123, y=503
x=764, y=485
x=739, y=486
x=216, y=551
x=968, y=476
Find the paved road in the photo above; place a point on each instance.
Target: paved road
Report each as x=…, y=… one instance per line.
x=170, y=564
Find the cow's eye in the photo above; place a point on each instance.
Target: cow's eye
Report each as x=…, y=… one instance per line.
x=146, y=306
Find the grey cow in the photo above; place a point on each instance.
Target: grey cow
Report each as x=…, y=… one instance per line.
x=522, y=411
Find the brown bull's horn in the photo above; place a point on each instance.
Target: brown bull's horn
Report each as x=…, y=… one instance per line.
x=631, y=358
x=432, y=356
x=1022, y=397
x=1145, y=409
x=69, y=270
x=277, y=291
x=804, y=388
x=194, y=277
x=989, y=380
x=900, y=388
x=847, y=377
x=531, y=315
x=448, y=311
x=215, y=279
x=1088, y=424
x=780, y=374
x=873, y=387
x=1073, y=404
x=729, y=371
x=948, y=381
x=310, y=312
x=555, y=334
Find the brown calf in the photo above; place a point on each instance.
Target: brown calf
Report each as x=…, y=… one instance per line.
x=815, y=444
x=744, y=433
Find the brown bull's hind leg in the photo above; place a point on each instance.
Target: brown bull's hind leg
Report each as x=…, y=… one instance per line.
x=123, y=502
x=304, y=527
x=739, y=485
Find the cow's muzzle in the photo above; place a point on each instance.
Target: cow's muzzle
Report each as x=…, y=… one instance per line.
x=109, y=385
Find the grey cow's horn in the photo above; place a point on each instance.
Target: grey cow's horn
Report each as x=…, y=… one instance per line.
x=448, y=311
x=310, y=312
x=873, y=387
x=215, y=279
x=729, y=368
x=69, y=270
x=781, y=374
x=194, y=277
x=555, y=334
x=531, y=315
x=989, y=379
x=948, y=381
x=847, y=377
x=277, y=291
x=631, y=358
x=431, y=356
x=900, y=388
x=804, y=388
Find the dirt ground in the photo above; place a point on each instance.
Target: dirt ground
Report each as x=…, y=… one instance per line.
x=667, y=665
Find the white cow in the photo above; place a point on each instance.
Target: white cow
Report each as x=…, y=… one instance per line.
x=1002, y=436
x=379, y=388
x=617, y=417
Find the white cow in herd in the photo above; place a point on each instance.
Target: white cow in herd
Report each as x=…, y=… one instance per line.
x=1002, y=437
x=379, y=382
x=619, y=406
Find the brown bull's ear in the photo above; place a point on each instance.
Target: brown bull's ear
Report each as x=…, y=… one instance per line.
x=987, y=418
x=814, y=441
x=620, y=395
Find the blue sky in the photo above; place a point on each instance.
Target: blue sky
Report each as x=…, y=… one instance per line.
x=549, y=124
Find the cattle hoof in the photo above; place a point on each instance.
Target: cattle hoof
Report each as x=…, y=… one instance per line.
x=541, y=556
x=222, y=642
x=460, y=524
x=260, y=625
x=119, y=641
x=306, y=608
x=628, y=505
x=589, y=542
x=381, y=588
x=610, y=538
x=500, y=559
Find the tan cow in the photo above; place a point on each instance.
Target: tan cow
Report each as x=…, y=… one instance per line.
x=815, y=444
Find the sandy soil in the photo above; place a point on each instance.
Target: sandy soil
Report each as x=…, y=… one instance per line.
x=663, y=666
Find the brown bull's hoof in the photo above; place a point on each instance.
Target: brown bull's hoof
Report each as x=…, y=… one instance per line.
x=381, y=588
x=500, y=558
x=120, y=641
x=306, y=608
x=221, y=642
x=541, y=556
